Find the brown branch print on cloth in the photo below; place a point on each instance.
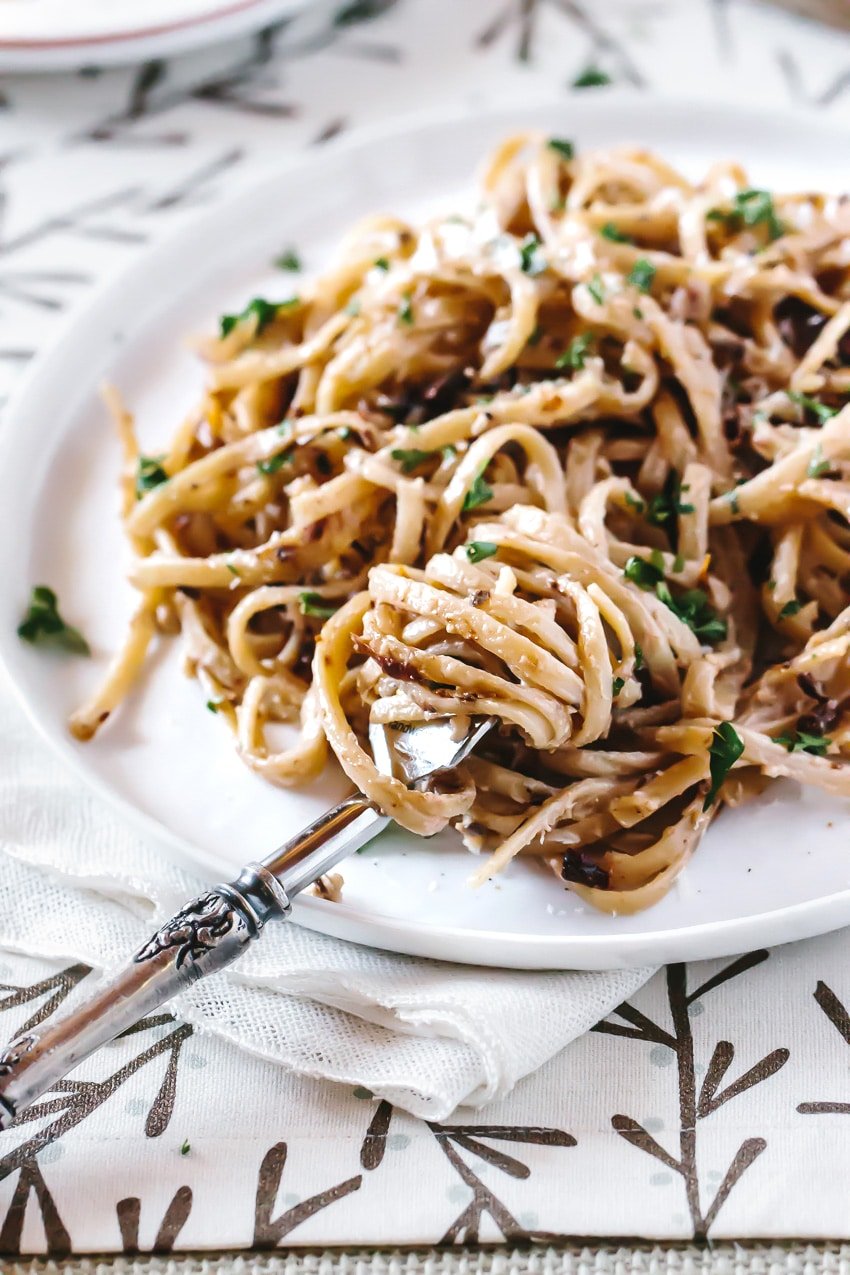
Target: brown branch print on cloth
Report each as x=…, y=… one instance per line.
x=601, y=46
x=129, y=1214
x=465, y=1229
x=695, y=1105
x=840, y=1019
x=73, y=1101
x=269, y=1230
x=31, y=1182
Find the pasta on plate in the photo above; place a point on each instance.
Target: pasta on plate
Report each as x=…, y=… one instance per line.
x=576, y=459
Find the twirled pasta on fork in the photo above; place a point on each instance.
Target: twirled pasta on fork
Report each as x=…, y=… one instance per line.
x=578, y=460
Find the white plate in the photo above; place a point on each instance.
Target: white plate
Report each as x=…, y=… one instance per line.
x=775, y=870
x=55, y=35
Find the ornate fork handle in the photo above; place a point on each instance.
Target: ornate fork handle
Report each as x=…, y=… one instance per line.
x=204, y=936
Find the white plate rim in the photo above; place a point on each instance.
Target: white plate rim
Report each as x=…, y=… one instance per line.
x=226, y=19
x=704, y=940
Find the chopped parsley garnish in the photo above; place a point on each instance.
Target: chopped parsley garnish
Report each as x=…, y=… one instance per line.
x=275, y=463
x=212, y=706
x=802, y=741
x=43, y=625
x=381, y=263
x=591, y=78
x=819, y=410
x=667, y=505
x=449, y=451
x=149, y=474
x=531, y=259
x=678, y=564
x=726, y=747
x=264, y=312
x=818, y=466
x=576, y=352
x=315, y=604
x=232, y=568
x=410, y=458
x=186, y=1147
x=616, y=686
x=596, y=288
x=750, y=208
x=691, y=607
x=405, y=310
x=561, y=146
x=732, y=497
x=645, y=573
x=353, y=307
x=633, y=503
x=638, y=656
x=288, y=260
x=478, y=550
x=790, y=608
x=478, y=494
x=610, y=231
x=536, y=335
x=641, y=275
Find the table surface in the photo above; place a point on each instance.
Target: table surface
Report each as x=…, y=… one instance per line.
x=613, y=1137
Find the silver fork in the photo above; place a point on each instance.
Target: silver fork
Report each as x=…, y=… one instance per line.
x=214, y=929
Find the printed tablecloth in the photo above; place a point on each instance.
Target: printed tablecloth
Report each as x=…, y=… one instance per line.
x=715, y=1102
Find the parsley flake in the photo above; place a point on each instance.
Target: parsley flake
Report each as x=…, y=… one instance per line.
x=609, y=231
x=638, y=656
x=531, y=259
x=750, y=208
x=616, y=686
x=315, y=604
x=726, y=747
x=381, y=263
x=478, y=550
x=691, y=607
x=149, y=474
x=288, y=260
x=790, y=608
x=667, y=505
x=591, y=78
x=186, y=1147
x=479, y=493
x=818, y=466
x=576, y=352
x=635, y=503
x=596, y=288
x=263, y=312
x=819, y=410
x=561, y=146
x=410, y=458
x=405, y=310
x=644, y=573
x=641, y=275
x=43, y=625
x=802, y=741
x=275, y=463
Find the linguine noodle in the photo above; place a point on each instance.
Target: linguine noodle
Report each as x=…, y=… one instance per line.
x=576, y=460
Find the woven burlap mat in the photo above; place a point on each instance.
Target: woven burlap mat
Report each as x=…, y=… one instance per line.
x=718, y=1259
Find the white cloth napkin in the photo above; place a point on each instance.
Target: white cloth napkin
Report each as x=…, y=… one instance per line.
x=76, y=882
